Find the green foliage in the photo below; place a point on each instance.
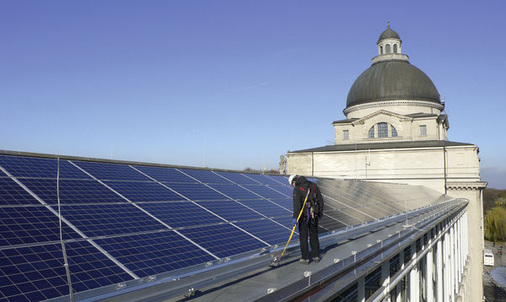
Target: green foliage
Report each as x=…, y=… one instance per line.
x=495, y=223
x=500, y=201
x=494, y=208
x=489, y=198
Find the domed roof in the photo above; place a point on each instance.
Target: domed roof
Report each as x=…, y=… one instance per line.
x=392, y=80
x=389, y=34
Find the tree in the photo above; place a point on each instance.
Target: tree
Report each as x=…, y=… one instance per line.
x=495, y=223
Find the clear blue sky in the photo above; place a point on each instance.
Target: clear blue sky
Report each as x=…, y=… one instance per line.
x=233, y=84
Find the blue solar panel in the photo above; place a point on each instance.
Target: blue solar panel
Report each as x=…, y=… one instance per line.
x=268, y=208
x=271, y=179
x=267, y=230
x=285, y=221
x=279, y=178
x=105, y=171
x=24, y=225
x=154, y=253
x=223, y=240
x=37, y=273
x=277, y=191
x=235, y=192
x=238, y=178
x=165, y=174
x=214, y=214
x=181, y=214
x=39, y=167
x=286, y=203
x=196, y=191
x=143, y=191
x=71, y=191
x=207, y=177
x=110, y=219
x=231, y=210
x=13, y=194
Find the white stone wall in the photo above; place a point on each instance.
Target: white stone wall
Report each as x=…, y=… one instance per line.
x=473, y=192
x=417, y=166
x=408, y=129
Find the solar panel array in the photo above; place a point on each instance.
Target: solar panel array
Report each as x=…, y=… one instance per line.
x=122, y=222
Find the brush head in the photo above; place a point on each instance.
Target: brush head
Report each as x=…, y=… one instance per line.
x=274, y=262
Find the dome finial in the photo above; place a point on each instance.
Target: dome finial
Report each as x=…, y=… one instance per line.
x=388, y=24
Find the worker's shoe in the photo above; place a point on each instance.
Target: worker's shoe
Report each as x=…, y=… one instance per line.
x=304, y=261
x=316, y=259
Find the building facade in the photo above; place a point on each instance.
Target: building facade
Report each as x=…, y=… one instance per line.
x=395, y=130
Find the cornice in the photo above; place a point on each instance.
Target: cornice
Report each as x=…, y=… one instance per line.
x=466, y=185
x=376, y=104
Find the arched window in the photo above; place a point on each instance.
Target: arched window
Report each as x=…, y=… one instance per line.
x=395, y=48
x=381, y=50
x=371, y=132
x=387, y=48
x=381, y=130
x=394, y=131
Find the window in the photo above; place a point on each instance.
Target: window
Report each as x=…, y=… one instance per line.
x=346, y=135
x=394, y=131
x=381, y=50
x=371, y=132
x=423, y=130
x=382, y=130
x=395, y=48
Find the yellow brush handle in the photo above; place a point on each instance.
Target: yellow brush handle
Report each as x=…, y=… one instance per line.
x=293, y=229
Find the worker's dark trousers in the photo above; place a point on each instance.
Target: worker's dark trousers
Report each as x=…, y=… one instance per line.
x=309, y=228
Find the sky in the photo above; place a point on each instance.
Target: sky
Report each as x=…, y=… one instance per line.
x=233, y=84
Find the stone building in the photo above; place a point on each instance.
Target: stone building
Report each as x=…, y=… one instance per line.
x=395, y=130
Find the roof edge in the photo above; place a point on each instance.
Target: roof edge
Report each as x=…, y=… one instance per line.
x=384, y=145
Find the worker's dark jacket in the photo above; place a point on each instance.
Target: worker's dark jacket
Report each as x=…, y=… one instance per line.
x=299, y=195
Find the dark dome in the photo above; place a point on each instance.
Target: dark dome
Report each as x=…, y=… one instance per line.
x=392, y=80
x=389, y=34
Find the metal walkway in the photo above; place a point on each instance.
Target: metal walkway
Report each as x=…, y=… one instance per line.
x=368, y=261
